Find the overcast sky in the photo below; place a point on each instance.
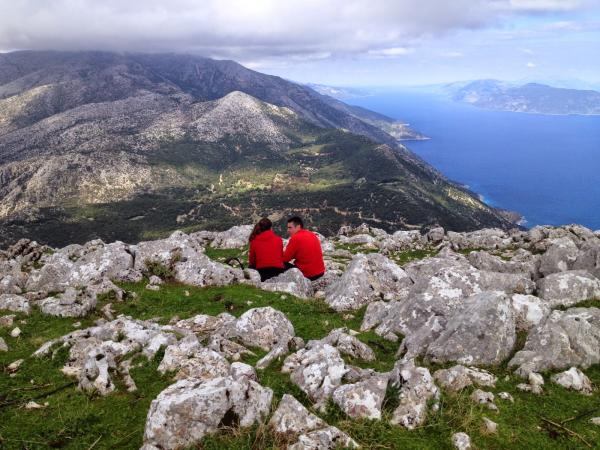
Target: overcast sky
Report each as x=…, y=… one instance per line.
x=337, y=42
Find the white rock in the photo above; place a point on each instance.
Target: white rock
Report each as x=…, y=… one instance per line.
x=461, y=441
x=506, y=396
x=363, y=399
x=575, y=380
x=3, y=346
x=489, y=426
x=16, y=332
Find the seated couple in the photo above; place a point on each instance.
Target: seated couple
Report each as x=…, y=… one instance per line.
x=269, y=259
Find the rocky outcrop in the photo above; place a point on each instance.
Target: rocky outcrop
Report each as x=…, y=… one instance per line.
x=363, y=399
x=565, y=339
x=186, y=411
x=317, y=370
x=368, y=278
x=482, y=332
x=294, y=423
x=416, y=389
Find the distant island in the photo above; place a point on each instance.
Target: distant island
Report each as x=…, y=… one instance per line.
x=533, y=98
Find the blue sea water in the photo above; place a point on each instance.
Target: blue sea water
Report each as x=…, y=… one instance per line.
x=545, y=167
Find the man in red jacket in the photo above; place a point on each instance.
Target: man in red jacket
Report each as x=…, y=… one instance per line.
x=304, y=248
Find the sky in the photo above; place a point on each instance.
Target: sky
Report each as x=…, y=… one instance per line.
x=333, y=42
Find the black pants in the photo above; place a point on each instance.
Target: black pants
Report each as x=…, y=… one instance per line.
x=269, y=272
x=289, y=266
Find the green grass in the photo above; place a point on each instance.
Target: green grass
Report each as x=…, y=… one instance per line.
x=76, y=420
x=224, y=254
x=405, y=257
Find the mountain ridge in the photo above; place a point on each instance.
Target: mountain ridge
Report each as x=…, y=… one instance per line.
x=85, y=136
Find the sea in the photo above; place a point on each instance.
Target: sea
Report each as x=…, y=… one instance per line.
x=545, y=167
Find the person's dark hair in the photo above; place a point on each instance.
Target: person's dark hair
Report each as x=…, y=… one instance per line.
x=263, y=224
x=296, y=221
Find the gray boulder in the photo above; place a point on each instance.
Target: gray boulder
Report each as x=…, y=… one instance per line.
x=349, y=345
x=235, y=237
x=71, y=303
x=14, y=303
x=190, y=360
x=568, y=288
x=317, y=369
x=564, y=339
x=188, y=410
x=529, y=311
x=364, y=399
x=293, y=422
x=368, y=278
x=588, y=258
x=416, y=389
x=559, y=257
x=459, y=377
x=574, y=379
x=263, y=327
x=3, y=346
x=482, y=332
x=291, y=281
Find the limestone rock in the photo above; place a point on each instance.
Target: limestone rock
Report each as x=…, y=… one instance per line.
x=368, y=278
x=190, y=360
x=349, y=345
x=7, y=320
x=529, y=311
x=575, y=380
x=325, y=438
x=461, y=441
x=559, y=257
x=292, y=418
x=416, y=389
x=489, y=426
x=71, y=303
x=3, y=346
x=363, y=399
x=483, y=332
x=291, y=281
x=317, y=369
x=263, y=327
x=16, y=332
x=235, y=237
x=188, y=410
x=14, y=303
x=564, y=339
x=484, y=398
x=588, y=258
x=459, y=377
x=568, y=288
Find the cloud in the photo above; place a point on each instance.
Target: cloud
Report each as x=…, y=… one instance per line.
x=452, y=54
x=531, y=65
x=251, y=30
x=391, y=52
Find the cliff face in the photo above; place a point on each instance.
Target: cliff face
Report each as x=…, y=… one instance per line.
x=90, y=141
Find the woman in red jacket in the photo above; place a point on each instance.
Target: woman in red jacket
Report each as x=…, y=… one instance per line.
x=266, y=250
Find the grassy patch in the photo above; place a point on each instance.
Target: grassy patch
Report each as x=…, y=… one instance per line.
x=402, y=258
x=75, y=420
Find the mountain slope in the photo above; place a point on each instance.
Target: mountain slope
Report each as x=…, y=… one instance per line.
x=126, y=146
x=529, y=98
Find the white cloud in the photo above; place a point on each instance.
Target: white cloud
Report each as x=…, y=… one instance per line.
x=527, y=51
x=392, y=52
x=251, y=30
x=531, y=65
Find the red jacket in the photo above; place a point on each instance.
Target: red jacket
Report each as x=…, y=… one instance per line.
x=266, y=250
x=305, y=248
